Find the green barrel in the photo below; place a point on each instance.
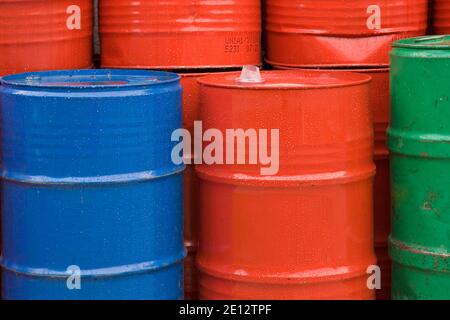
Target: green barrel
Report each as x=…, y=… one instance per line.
x=419, y=140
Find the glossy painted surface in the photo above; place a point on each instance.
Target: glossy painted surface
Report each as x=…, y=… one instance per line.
x=380, y=102
x=306, y=232
x=88, y=181
x=45, y=35
x=419, y=141
x=191, y=113
x=339, y=32
x=180, y=34
x=441, y=16
x=380, y=105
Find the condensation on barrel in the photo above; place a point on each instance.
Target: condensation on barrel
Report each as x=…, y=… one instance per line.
x=305, y=232
x=380, y=106
x=45, y=35
x=89, y=189
x=180, y=34
x=339, y=33
x=419, y=143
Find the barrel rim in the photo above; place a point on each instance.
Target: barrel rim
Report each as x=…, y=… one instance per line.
x=289, y=80
x=423, y=42
x=88, y=79
x=352, y=69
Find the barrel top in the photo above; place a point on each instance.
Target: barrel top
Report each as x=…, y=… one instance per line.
x=425, y=42
x=288, y=79
x=90, y=79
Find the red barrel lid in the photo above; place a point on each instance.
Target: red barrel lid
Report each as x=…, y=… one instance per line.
x=287, y=79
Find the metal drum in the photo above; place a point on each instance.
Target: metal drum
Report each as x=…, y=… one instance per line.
x=419, y=141
x=306, y=230
x=332, y=33
x=379, y=100
x=91, y=200
x=191, y=113
x=441, y=16
x=180, y=34
x=45, y=35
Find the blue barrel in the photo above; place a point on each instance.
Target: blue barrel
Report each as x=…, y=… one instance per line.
x=91, y=200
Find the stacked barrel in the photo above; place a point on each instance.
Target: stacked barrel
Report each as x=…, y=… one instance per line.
x=298, y=226
x=306, y=181
x=193, y=38
x=419, y=140
x=45, y=35
x=355, y=36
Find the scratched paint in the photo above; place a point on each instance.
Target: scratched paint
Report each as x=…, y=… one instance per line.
x=419, y=141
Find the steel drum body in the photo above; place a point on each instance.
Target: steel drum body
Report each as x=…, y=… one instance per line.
x=191, y=113
x=380, y=105
x=45, y=35
x=88, y=181
x=380, y=102
x=441, y=17
x=419, y=141
x=306, y=232
x=180, y=34
x=335, y=33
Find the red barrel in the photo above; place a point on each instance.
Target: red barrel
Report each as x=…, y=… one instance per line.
x=339, y=32
x=180, y=34
x=441, y=17
x=305, y=232
x=45, y=35
x=191, y=113
x=380, y=105
x=379, y=99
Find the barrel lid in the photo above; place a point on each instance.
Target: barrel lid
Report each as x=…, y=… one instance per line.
x=90, y=79
x=288, y=79
x=424, y=42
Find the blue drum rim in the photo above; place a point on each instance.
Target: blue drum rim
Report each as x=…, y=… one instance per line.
x=104, y=272
x=88, y=79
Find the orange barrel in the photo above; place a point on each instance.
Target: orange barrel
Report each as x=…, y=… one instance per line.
x=45, y=35
x=380, y=104
x=441, y=17
x=180, y=34
x=339, y=32
x=191, y=113
x=380, y=101
x=305, y=232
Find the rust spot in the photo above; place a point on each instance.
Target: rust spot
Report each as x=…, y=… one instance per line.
x=429, y=201
x=427, y=206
